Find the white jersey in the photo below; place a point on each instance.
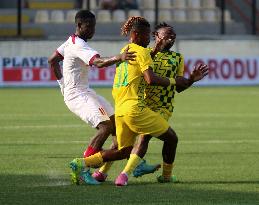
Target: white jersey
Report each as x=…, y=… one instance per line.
x=79, y=98
x=78, y=57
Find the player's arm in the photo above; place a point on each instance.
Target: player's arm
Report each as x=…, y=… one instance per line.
x=152, y=79
x=198, y=73
x=107, y=61
x=54, y=61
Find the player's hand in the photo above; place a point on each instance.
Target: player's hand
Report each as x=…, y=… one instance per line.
x=127, y=55
x=199, y=72
x=61, y=85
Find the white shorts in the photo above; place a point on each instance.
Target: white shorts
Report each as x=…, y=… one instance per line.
x=90, y=107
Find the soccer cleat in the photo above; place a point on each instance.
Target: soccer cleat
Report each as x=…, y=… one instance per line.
x=86, y=177
x=77, y=167
x=143, y=168
x=173, y=179
x=122, y=180
x=99, y=176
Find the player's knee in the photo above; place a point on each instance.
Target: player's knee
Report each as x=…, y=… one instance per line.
x=105, y=128
x=125, y=152
x=172, y=136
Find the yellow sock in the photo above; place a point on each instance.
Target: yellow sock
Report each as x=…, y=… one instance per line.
x=167, y=171
x=131, y=164
x=94, y=160
x=106, y=167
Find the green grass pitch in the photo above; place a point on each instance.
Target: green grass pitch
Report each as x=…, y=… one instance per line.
x=217, y=159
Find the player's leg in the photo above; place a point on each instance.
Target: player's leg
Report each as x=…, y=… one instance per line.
x=145, y=122
x=88, y=108
x=168, y=152
x=101, y=174
x=140, y=149
x=125, y=139
x=103, y=121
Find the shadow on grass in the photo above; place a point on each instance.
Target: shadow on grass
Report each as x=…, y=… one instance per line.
x=36, y=189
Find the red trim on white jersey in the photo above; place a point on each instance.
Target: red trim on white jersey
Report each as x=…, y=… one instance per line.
x=102, y=111
x=73, y=38
x=92, y=59
x=60, y=55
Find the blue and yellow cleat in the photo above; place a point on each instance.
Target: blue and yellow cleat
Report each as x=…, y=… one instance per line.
x=143, y=168
x=173, y=179
x=77, y=167
x=86, y=177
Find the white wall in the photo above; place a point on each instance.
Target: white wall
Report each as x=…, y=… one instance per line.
x=231, y=62
x=209, y=48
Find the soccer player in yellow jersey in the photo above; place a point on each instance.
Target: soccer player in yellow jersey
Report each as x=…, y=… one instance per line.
x=158, y=98
x=132, y=117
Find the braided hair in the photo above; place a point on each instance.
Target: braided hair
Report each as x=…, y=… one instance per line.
x=162, y=25
x=134, y=22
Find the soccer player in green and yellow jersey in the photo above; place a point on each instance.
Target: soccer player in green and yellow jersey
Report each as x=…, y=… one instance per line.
x=160, y=99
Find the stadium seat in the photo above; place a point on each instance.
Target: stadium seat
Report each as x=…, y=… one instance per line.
x=26, y=32
x=194, y=15
x=57, y=16
x=134, y=13
x=195, y=4
x=93, y=4
x=164, y=4
x=227, y=16
x=179, y=15
x=70, y=17
x=165, y=15
x=210, y=15
x=119, y=16
x=42, y=16
x=149, y=15
x=104, y=16
x=47, y=4
x=148, y=4
x=209, y=4
x=179, y=4
x=12, y=19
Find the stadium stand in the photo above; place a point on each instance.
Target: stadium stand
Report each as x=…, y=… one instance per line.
x=119, y=16
x=45, y=16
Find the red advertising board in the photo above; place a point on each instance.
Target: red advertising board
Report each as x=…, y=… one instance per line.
x=34, y=71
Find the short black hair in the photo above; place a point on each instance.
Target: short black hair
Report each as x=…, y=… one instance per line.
x=83, y=15
x=163, y=25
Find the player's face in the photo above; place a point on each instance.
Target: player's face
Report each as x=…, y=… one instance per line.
x=87, y=28
x=166, y=33
x=145, y=36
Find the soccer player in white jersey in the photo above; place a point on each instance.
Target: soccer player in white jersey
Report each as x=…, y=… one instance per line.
x=77, y=57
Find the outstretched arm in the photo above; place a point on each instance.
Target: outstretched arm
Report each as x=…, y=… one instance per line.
x=107, y=61
x=198, y=73
x=152, y=79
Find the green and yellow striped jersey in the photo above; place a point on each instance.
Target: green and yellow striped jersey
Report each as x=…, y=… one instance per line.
x=166, y=64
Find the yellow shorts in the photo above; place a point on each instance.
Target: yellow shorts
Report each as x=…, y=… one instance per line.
x=164, y=113
x=145, y=122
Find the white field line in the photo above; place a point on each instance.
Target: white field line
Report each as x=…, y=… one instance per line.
x=14, y=127
x=189, y=114
x=180, y=141
x=174, y=124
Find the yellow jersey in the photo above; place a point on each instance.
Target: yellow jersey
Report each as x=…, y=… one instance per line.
x=129, y=83
x=166, y=64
